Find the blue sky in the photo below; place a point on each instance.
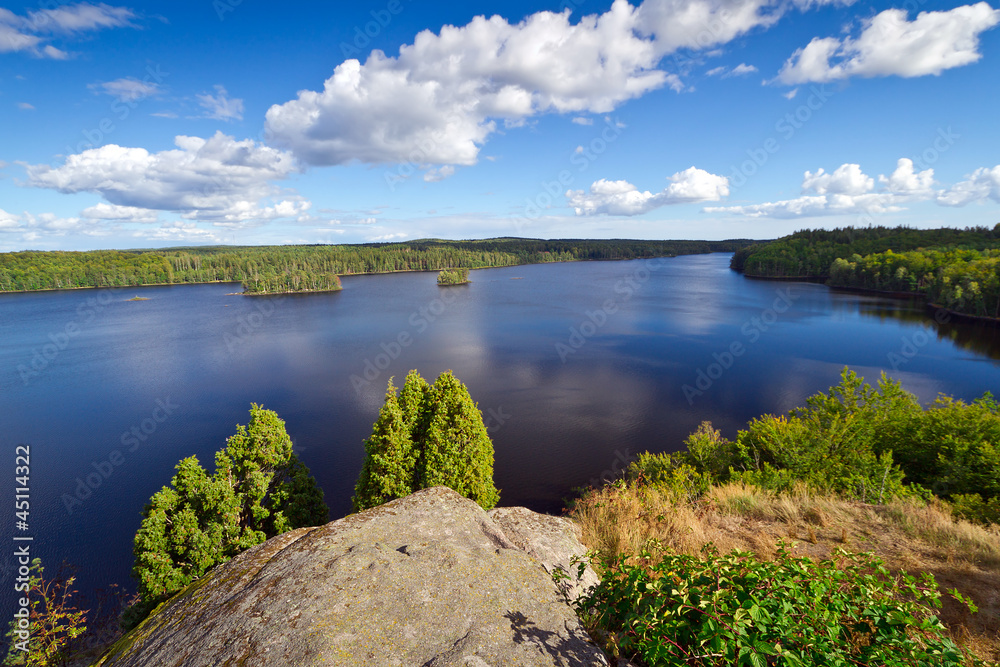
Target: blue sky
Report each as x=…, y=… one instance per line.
x=228, y=121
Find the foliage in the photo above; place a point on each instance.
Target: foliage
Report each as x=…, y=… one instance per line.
x=430, y=435
x=53, y=622
x=857, y=441
x=734, y=609
x=264, y=269
x=259, y=489
x=453, y=276
x=957, y=269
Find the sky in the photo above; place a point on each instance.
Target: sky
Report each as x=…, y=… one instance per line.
x=177, y=123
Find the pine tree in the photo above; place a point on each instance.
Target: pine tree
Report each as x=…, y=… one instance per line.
x=431, y=435
x=260, y=489
x=387, y=472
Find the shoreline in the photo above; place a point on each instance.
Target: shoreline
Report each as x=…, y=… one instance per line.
x=339, y=275
x=913, y=296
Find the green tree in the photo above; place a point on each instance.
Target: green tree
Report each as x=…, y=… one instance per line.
x=387, y=472
x=431, y=435
x=260, y=489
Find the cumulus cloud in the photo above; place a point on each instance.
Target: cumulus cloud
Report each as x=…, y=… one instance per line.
x=890, y=45
x=905, y=181
x=127, y=89
x=848, y=179
x=217, y=179
x=220, y=106
x=29, y=33
x=623, y=198
x=442, y=97
x=439, y=100
x=982, y=184
x=702, y=24
x=104, y=211
x=32, y=226
x=849, y=191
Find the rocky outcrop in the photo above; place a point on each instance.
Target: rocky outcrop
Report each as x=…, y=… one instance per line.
x=551, y=540
x=428, y=580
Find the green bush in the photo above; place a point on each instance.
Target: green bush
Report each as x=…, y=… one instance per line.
x=867, y=443
x=722, y=610
x=972, y=507
x=430, y=435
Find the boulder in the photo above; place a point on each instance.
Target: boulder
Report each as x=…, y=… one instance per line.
x=427, y=580
x=553, y=541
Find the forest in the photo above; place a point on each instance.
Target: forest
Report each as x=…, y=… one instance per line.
x=272, y=269
x=958, y=269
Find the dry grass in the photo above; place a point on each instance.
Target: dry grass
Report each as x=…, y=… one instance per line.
x=907, y=536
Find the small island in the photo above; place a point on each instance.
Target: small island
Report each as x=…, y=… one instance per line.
x=139, y=298
x=449, y=277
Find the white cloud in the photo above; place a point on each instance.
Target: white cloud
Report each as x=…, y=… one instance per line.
x=435, y=175
x=80, y=17
x=178, y=231
x=439, y=100
x=217, y=179
x=849, y=191
x=389, y=237
x=848, y=179
x=890, y=45
x=220, y=106
x=790, y=95
x=104, y=211
x=982, y=184
x=905, y=181
x=446, y=94
x=582, y=120
x=740, y=70
x=701, y=24
x=24, y=106
x=29, y=33
x=814, y=205
x=9, y=222
x=127, y=89
x=32, y=226
x=623, y=198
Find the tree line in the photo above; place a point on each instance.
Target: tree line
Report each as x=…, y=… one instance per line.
x=955, y=268
x=263, y=269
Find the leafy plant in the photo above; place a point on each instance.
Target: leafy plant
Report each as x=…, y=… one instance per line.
x=733, y=609
x=53, y=621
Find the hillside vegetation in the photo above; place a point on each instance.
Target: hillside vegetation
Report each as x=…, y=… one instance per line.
x=271, y=269
x=957, y=269
x=727, y=523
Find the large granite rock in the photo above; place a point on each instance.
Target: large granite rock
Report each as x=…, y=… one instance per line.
x=551, y=540
x=428, y=580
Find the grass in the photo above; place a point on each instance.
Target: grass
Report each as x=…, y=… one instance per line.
x=908, y=536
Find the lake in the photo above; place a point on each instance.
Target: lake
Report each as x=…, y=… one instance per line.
x=576, y=368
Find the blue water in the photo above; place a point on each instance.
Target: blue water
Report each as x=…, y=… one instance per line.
x=576, y=367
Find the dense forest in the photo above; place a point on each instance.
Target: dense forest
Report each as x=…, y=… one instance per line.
x=955, y=268
x=267, y=269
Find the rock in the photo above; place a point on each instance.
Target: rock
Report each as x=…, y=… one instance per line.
x=553, y=541
x=427, y=580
